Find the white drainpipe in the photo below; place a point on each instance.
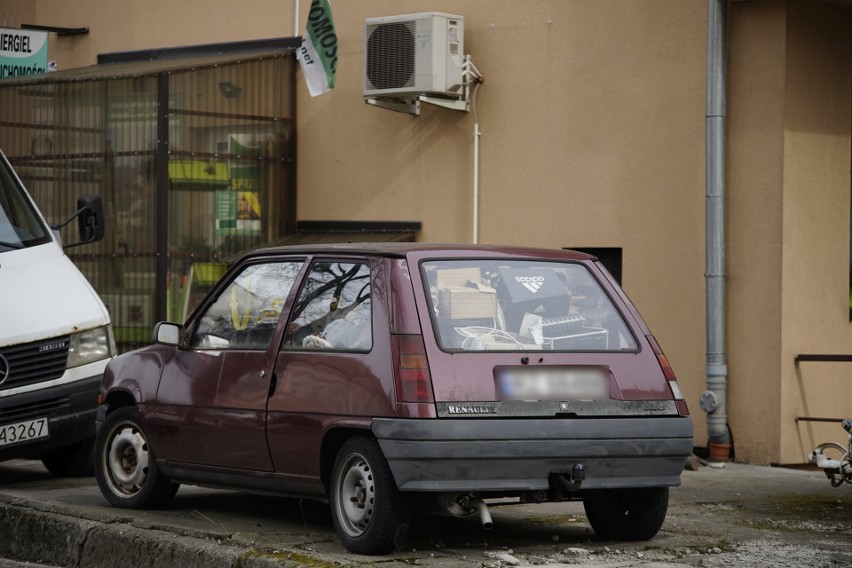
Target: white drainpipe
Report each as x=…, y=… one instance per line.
x=476, y=134
x=296, y=19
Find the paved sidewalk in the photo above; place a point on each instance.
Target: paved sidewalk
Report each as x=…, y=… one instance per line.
x=737, y=515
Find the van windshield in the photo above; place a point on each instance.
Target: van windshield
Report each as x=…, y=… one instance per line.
x=20, y=225
x=507, y=305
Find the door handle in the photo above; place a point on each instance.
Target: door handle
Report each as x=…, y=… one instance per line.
x=273, y=382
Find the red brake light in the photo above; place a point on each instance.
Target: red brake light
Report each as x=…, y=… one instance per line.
x=412, y=377
x=664, y=362
x=669, y=374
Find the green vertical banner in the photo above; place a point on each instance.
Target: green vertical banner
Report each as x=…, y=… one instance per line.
x=238, y=209
x=22, y=53
x=318, y=54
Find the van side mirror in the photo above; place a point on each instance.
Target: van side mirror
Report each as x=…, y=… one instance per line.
x=90, y=220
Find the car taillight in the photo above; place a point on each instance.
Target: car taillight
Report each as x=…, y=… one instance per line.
x=669, y=374
x=413, y=381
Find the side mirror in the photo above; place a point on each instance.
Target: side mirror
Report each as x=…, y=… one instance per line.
x=167, y=333
x=90, y=218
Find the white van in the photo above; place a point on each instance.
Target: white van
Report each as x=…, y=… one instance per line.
x=55, y=335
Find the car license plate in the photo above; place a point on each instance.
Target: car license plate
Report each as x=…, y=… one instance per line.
x=552, y=383
x=23, y=431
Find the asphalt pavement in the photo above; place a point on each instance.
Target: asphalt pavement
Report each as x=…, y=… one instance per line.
x=723, y=515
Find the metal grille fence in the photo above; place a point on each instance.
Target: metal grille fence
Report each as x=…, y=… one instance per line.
x=193, y=158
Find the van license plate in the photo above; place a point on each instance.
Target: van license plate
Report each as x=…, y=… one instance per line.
x=552, y=383
x=23, y=431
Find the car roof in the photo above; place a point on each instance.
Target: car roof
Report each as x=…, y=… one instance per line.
x=396, y=249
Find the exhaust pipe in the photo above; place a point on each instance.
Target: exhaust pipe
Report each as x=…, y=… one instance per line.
x=484, y=515
x=467, y=505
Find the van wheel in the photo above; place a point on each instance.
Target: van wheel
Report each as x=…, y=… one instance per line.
x=369, y=514
x=76, y=460
x=125, y=468
x=627, y=514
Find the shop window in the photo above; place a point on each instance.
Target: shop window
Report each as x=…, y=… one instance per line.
x=193, y=163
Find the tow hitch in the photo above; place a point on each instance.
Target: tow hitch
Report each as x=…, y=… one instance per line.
x=566, y=482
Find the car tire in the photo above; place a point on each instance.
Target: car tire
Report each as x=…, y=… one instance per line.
x=369, y=513
x=125, y=468
x=627, y=514
x=75, y=460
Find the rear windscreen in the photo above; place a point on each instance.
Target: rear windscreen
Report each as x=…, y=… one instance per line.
x=483, y=305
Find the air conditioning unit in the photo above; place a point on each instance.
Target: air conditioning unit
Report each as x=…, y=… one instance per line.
x=414, y=54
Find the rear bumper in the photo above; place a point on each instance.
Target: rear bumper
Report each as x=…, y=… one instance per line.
x=506, y=455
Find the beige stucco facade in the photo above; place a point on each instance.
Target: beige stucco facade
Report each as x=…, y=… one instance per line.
x=592, y=117
x=788, y=216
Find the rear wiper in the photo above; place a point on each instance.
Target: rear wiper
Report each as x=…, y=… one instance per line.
x=11, y=245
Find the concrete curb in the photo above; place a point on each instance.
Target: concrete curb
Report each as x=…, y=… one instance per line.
x=738, y=515
x=62, y=540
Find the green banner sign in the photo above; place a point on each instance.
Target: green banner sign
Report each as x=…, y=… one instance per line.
x=22, y=53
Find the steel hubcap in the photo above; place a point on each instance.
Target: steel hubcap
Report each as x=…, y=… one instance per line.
x=127, y=460
x=356, y=491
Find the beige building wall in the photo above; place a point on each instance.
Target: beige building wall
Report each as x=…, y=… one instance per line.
x=788, y=216
x=816, y=218
x=592, y=121
x=755, y=176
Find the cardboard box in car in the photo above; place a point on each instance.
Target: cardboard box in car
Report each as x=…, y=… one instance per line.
x=467, y=302
x=458, y=277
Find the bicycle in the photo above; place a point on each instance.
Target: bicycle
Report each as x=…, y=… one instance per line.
x=837, y=469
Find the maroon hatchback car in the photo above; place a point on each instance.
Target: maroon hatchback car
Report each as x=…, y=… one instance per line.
x=374, y=375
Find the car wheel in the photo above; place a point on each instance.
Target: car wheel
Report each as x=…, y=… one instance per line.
x=125, y=468
x=369, y=514
x=627, y=514
x=75, y=460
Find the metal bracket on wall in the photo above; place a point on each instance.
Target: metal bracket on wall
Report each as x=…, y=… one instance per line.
x=412, y=106
x=57, y=30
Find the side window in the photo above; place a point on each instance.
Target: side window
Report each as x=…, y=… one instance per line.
x=333, y=309
x=245, y=314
